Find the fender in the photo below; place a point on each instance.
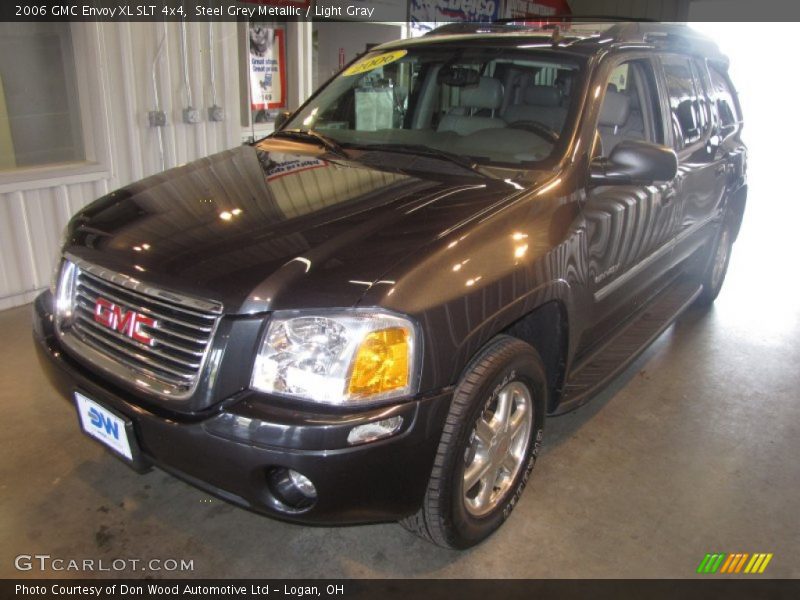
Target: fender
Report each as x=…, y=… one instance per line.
x=558, y=290
x=736, y=204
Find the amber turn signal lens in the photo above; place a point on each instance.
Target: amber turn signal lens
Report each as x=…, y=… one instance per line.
x=381, y=363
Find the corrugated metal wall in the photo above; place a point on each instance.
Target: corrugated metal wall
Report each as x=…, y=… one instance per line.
x=32, y=214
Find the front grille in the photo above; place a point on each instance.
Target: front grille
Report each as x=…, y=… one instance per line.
x=173, y=333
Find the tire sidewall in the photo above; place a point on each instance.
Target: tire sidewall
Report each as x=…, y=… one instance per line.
x=717, y=286
x=711, y=289
x=526, y=368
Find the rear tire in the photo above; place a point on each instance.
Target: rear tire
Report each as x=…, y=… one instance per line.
x=488, y=447
x=714, y=275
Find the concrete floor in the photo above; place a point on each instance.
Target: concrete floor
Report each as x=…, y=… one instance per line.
x=693, y=450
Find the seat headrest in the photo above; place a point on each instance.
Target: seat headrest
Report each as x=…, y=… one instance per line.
x=542, y=95
x=615, y=109
x=488, y=93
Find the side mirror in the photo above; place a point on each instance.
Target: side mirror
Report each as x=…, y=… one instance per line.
x=635, y=161
x=281, y=118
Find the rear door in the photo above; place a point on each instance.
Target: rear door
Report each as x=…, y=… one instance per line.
x=702, y=168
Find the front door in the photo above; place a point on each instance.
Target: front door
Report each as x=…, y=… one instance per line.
x=629, y=228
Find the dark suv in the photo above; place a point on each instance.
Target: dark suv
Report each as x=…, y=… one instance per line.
x=367, y=315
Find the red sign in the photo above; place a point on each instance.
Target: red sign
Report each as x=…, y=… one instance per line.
x=267, y=67
x=128, y=322
x=537, y=11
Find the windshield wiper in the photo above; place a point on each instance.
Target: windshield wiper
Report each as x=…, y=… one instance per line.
x=422, y=150
x=309, y=135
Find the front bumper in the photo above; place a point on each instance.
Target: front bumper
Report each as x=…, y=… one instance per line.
x=229, y=450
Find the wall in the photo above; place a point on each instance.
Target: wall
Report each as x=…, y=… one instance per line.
x=115, y=87
x=350, y=37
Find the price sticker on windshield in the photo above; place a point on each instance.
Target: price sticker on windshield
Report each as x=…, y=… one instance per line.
x=373, y=62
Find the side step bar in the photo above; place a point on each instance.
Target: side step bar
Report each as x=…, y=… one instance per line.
x=599, y=368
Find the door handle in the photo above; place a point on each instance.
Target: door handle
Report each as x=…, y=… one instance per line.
x=667, y=196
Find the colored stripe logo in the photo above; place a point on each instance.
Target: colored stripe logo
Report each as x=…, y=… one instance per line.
x=737, y=562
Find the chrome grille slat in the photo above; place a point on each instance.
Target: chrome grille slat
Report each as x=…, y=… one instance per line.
x=182, y=336
x=99, y=329
x=182, y=377
x=176, y=380
x=169, y=360
x=149, y=299
x=87, y=307
x=199, y=340
x=144, y=309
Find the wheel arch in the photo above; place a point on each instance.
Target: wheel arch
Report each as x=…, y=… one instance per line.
x=546, y=328
x=540, y=319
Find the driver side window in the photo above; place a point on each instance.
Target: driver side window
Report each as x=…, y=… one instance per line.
x=630, y=108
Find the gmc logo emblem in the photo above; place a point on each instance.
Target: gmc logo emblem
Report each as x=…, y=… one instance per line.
x=125, y=322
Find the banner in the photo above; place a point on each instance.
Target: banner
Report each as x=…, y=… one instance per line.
x=267, y=68
x=426, y=14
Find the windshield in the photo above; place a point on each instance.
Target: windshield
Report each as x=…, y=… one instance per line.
x=504, y=106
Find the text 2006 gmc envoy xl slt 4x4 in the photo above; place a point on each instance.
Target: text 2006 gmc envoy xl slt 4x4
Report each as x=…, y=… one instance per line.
x=367, y=315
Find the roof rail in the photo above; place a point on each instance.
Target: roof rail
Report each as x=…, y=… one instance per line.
x=562, y=18
x=527, y=23
x=620, y=30
x=462, y=27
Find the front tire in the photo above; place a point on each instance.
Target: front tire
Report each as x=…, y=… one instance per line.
x=488, y=447
x=714, y=275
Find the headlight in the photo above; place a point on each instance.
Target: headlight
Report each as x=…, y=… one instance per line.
x=342, y=357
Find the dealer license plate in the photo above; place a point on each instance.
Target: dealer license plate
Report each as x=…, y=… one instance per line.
x=103, y=425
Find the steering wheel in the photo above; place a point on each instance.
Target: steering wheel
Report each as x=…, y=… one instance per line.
x=537, y=127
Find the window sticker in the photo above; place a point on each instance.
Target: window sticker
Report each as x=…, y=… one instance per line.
x=373, y=62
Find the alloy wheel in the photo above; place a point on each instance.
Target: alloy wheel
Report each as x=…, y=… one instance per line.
x=498, y=447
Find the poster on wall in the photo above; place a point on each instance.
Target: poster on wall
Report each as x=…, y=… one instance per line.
x=428, y=14
x=267, y=68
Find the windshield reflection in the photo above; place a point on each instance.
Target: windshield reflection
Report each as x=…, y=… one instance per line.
x=504, y=106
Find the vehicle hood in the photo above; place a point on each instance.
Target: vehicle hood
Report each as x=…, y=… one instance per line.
x=276, y=226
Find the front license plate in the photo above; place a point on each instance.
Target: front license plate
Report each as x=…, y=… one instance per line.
x=103, y=425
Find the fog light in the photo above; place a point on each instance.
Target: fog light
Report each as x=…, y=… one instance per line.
x=292, y=490
x=303, y=483
x=369, y=432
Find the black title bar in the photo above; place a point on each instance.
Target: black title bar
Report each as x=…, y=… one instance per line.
x=391, y=589
x=343, y=10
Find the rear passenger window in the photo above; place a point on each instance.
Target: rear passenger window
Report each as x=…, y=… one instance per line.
x=690, y=118
x=723, y=98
